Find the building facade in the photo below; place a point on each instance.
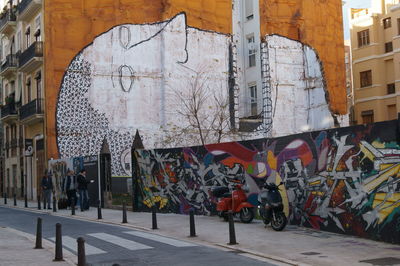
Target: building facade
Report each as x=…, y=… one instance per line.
x=22, y=113
x=375, y=42
x=117, y=66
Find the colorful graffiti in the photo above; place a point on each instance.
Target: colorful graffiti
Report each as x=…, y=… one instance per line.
x=342, y=180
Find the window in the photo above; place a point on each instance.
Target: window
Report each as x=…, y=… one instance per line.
x=28, y=37
x=28, y=90
x=398, y=26
x=363, y=38
x=38, y=79
x=253, y=99
x=391, y=88
x=367, y=116
x=366, y=78
x=392, y=112
x=387, y=23
x=249, y=9
x=252, y=51
x=388, y=47
x=19, y=41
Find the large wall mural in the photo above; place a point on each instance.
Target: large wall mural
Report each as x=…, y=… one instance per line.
x=127, y=79
x=343, y=180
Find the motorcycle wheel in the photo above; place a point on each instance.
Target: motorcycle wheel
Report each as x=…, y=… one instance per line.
x=246, y=215
x=279, y=222
x=223, y=215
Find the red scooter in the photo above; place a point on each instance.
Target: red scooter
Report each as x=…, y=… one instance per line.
x=235, y=201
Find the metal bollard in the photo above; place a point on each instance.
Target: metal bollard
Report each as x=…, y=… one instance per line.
x=38, y=244
x=154, y=219
x=54, y=204
x=99, y=215
x=59, y=252
x=232, y=235
x=192, y=225
x=124, y=219
x=81, y=251
x=26, y=201
x=38, y=202
x=5, y=198
x=72, y=209
x=15, y=199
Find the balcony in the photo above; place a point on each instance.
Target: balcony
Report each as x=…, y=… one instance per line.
x=27, y=9
x=9, y=66
x=8, y=22
x=32, y=112
x=31, y=58
x=8, y=112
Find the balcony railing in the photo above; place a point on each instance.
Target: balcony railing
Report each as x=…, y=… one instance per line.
x=35, y=50
x=34, y=107
x=14, y=143
x=8, y=109
x=23, y=5
x=7, y=17
x=11, y=61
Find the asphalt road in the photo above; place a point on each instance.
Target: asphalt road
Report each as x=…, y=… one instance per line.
x=111, y=244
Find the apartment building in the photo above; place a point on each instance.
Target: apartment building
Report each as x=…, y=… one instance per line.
x=22, y=111
x=375, y=43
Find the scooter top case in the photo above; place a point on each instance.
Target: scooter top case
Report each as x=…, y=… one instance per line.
x=219, y=192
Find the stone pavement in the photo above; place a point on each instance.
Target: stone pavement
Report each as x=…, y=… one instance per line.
x=16, y=248
x=293, y=246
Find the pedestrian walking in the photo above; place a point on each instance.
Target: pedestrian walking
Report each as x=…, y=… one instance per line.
x=83, y=190
x=69, y=185
x=47, y=188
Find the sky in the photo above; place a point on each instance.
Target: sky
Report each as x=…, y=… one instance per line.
x=352, y=4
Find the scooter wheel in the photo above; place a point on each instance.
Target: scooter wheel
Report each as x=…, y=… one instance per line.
x=279, y=222
x=246, y=215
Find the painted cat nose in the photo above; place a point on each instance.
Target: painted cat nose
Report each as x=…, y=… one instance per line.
x=125, y=77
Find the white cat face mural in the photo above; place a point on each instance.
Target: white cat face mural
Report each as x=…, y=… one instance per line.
x=125, y=80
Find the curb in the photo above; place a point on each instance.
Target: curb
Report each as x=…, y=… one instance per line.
x=68, y=256
x=212, y=245
x=262, y=255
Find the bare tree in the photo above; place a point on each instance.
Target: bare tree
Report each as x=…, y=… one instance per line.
x=202, y=113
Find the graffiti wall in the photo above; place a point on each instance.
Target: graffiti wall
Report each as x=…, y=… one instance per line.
x=341, y=180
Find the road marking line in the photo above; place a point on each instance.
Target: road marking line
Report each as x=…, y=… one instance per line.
x=71, y=244
x=119, y=241
x=165, y=240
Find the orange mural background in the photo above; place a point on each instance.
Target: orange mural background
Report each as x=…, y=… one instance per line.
x=317, y=23
x=71, y=25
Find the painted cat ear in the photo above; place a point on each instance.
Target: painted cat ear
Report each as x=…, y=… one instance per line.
x=124, y=35
x=175, y=36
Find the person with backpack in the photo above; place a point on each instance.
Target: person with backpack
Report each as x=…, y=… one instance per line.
x=83, y=190
x=69, y=188
x=47, y=188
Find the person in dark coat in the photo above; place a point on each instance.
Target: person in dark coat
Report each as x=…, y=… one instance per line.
x=47, y=188
x=69, y=187
x=83, y=189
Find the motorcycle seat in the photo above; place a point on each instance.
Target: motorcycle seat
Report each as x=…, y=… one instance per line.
x=226, y=195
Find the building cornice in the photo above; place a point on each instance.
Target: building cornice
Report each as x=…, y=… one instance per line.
x=368, y=87
x=372, y=57
x=377, y=98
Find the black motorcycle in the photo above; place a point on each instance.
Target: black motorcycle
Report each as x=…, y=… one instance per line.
x=270, y=206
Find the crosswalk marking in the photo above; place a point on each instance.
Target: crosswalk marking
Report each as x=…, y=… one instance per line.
x=165, y=240
x=71, y=244
x=119, y=241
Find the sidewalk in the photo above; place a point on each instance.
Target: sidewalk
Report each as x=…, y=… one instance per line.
x=16, y=248
x=293, y=246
